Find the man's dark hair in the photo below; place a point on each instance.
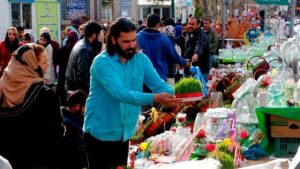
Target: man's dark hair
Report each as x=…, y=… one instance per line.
x=197, y=19
x=77, y=97
x=152, y=20
x=140, y=22
x=168, y=22
x=118, y=26
x=91, y=28
x=20, y=28
x=207, y=20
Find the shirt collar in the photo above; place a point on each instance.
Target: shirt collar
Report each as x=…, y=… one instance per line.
x=115, y=57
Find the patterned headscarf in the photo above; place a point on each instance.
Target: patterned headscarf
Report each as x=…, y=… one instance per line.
x=18, y=76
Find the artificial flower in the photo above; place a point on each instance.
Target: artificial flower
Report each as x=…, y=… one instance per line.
x=227, y=141
x=143, y=146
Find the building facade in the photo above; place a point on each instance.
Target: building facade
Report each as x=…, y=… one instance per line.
x=32, y=15
x=160, y=7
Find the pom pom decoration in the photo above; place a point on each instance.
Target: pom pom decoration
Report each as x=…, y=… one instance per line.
x=243, y=134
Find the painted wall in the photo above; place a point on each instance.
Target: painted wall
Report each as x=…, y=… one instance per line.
x=5, y=18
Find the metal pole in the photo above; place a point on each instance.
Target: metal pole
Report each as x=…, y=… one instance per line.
x=172, y=9
x=293, y=5
x=223, y=23
x=265, y=16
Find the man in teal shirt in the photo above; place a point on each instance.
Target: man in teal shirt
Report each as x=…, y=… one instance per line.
x=113, y=104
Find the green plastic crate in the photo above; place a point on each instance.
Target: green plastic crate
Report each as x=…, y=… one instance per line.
x=286, y=147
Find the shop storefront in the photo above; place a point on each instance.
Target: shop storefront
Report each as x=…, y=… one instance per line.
x=162, y=8
x=32, y=15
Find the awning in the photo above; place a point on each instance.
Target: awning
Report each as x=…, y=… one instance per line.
x=272, y=2
x=21, y=1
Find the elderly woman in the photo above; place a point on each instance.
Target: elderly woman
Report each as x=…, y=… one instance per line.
x=30, y=121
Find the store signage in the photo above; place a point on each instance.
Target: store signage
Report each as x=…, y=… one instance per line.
x=75, y=8
x=273, y=2
x=47, y=16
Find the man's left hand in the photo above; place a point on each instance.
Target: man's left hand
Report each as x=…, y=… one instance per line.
x=195, y=58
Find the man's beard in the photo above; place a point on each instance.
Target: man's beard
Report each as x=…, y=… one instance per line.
x=127, y=54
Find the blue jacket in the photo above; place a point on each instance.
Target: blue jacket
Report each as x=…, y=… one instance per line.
x=115, y=97
x=160, y=51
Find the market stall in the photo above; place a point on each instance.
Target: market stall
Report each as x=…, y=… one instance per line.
x=245, y=115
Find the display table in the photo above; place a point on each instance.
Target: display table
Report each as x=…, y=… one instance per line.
x=263, y=115
x=249, y=163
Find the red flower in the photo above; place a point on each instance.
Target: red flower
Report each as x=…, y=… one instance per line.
x=120, y=167
x=201, y=134
x=244, y=134
x=266, y=81
x=210, y=147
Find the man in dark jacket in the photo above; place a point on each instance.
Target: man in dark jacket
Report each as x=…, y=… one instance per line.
x=212, y=39
x=80, y=60
x=74, y=155
x=196, y=47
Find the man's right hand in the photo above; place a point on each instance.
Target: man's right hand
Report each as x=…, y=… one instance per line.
x=166, y=99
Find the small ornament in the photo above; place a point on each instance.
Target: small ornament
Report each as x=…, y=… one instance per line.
x=291, y=103
x=243, y=134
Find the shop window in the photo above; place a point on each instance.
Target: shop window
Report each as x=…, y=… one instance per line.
x=146, y=12
x=157, y=11
x=166, y=13
x=21, y=15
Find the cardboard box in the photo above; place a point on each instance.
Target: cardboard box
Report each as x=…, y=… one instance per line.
x=282, y=127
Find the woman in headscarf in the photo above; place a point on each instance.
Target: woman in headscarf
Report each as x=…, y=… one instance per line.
x=49, y=76
x=8, y=46
x=30, y=120
x=63, y=63
x=27, y=38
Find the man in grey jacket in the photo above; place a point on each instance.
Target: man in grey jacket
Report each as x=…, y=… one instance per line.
x=80, y=60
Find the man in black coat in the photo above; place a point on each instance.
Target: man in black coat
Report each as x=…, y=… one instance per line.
x=81, y=58
x=197, y=47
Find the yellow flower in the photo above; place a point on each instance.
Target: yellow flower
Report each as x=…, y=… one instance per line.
x=143, y=146
x=227, y=141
